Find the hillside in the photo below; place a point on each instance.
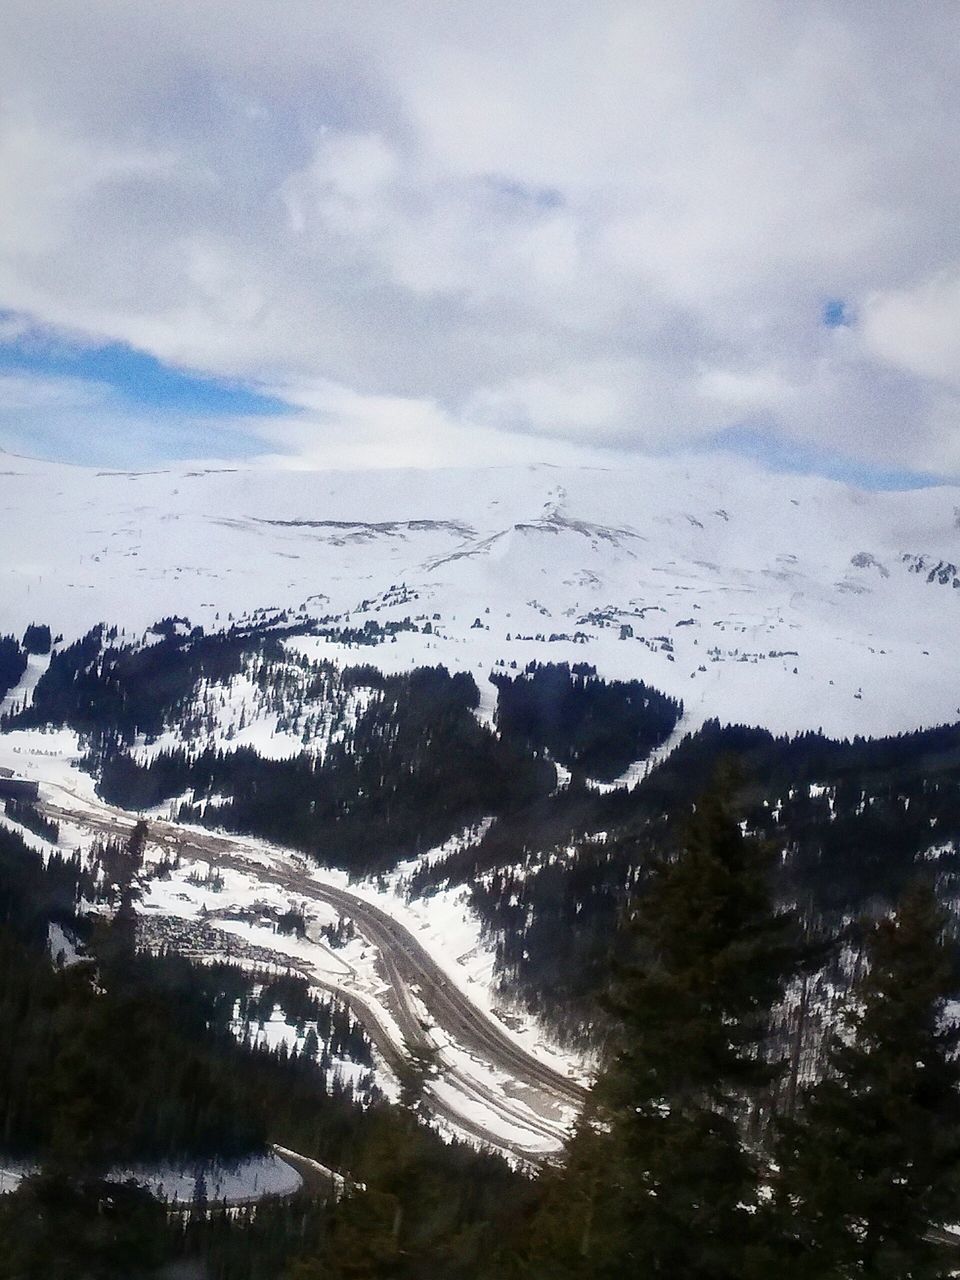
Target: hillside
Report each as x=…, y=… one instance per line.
x=374, y=769
x=784, y=601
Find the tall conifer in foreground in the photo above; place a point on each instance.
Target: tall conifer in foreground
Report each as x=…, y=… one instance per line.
x=872, y=1165
x=676, y=1194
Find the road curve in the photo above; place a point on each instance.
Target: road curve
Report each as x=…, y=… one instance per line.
x=406, y=964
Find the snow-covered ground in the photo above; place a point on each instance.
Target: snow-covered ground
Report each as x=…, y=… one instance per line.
x=248, y=1180
x=11, y=1176
x=268, y=714
x=53, y=757
x=251, y=1179
x=243, y=885
x=244, y=906
x=788, y=601
x=21, y=695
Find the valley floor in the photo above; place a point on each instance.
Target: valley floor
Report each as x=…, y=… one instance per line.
x=416, y=975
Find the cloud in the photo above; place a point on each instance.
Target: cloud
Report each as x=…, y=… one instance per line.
x=24, y=394
x=337, y=427
x=81, y=420
x=564, y=226
x=918, y=328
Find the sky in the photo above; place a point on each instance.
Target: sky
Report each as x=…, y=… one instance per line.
x=363, y=234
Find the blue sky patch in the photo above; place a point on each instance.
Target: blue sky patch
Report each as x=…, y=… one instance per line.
x=139, y=379
x=836, y=314
x=781, y=454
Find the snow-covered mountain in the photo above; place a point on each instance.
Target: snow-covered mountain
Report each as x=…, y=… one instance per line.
x=786, y=601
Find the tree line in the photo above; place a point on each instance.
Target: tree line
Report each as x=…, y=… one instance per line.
x=695, y=1158
x=702, y=1152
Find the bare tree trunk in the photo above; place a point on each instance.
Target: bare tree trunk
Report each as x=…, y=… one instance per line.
x=588, y=1220
x=797, y=1052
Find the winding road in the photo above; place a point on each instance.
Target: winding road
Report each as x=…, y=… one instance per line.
x=536, y=1100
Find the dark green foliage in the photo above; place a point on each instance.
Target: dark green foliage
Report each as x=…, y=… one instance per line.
x=67, y=692
x=13, y=663
x=432, y=1211
x=591, y=726
x=709, y=960
x=427, y=1211
x=658, y=1179
x=552, y=896
x=26, y=813
x=116, y=692
x=371, y=633
x=556, y=927
x=671, y=1198
x=57, y=1229
x=416, y=768
x=92, y=1078
x=31, y=894
x=37, y=638
x=250, y=1244
x=143, y=1063
x=855, y=821
x=337, y=1031
x=882, y=803
x=873, y=1162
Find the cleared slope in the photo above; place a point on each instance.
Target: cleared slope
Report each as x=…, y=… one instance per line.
x=786, y=601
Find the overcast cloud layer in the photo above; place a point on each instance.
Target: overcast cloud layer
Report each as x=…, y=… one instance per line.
x=487, y=231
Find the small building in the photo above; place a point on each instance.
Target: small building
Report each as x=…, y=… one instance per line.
x=18, y=789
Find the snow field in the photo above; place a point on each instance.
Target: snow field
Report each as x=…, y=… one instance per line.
x=249, y=1180
x=243, y=905
x=786, y=601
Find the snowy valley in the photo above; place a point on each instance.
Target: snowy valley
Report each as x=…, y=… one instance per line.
x=471, y=702
x=785, y=601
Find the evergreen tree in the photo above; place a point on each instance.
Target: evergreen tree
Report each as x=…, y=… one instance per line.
x=873, y=1164
x=37, y=638
x=662, y=1183
x=62, y=1230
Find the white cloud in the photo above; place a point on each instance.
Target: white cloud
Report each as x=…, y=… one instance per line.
x=608, y=224
x=918, y=328
x=339, y=428
x=48, y=174
x=82, y=420
x=24, y=393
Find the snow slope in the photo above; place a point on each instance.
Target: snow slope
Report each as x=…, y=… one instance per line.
x=470, y=1096
x=788, y=601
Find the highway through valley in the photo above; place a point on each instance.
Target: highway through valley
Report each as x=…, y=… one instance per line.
x=533, y=1102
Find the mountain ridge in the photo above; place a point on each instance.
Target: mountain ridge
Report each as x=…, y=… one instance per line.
x=791, y=602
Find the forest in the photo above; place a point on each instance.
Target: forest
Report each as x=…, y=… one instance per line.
x=704, y=1150
x=595, y=728
x=854, y=821
x=128, y=1056
x=414, y=766
x=756, y=939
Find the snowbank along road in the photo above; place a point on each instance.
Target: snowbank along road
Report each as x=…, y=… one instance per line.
x=481, y=1082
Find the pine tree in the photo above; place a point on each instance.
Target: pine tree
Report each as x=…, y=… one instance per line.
x=872, y=1165
x=677, y=1193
